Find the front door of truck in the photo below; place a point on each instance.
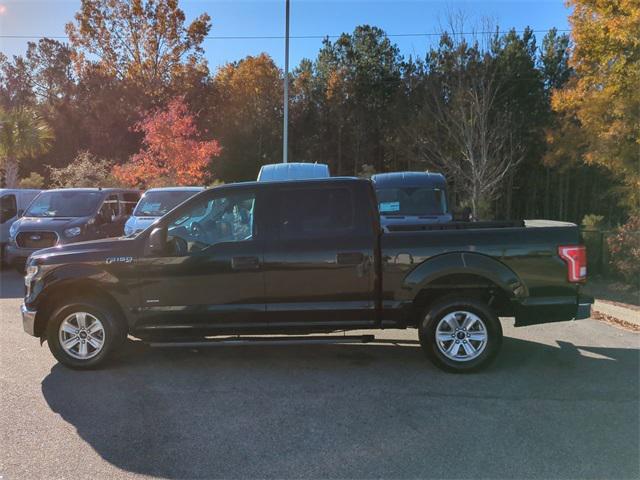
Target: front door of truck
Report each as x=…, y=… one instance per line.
x=212, y=276
x=319, y=258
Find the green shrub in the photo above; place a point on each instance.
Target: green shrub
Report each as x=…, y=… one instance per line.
x=592, y=222
x=624, y=250
x=34, y=180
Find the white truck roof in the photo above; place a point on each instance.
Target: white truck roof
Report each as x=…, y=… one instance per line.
x=292, y=171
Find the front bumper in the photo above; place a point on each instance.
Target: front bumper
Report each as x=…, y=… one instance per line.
x=28, y=320
x=13, y=253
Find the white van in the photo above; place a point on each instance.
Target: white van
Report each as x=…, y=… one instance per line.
x=276, y=172
x=13, y=203
x=154, y=204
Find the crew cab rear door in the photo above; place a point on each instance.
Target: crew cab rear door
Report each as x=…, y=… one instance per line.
x=319, y=256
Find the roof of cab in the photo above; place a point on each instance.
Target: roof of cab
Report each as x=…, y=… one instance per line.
x=407, y=179
x=176, y=189
x=292, y=171
x=93, y=189
x=287, y=183
x=18, y=190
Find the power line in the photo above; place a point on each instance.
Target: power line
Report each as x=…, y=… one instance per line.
x=308, y=37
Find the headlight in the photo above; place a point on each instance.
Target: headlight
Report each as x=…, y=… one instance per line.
x=13, y=229
x=31, y=271
x=72, y=232
x=128, y=230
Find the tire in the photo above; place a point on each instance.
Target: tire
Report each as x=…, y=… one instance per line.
x=460, y=335
x=94, y=342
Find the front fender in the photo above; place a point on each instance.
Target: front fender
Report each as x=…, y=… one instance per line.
x=430, y=271
x=73, y=277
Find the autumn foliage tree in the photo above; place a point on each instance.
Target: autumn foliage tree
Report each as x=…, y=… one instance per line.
x=145, y=42
x=172, y=153
x=603, y=99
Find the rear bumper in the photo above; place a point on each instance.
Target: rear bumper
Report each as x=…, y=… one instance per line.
x=28, y=320
x=584, y=311
x=553, y=309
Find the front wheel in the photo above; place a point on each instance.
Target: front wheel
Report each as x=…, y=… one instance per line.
x=460, y=335
x=82, y=335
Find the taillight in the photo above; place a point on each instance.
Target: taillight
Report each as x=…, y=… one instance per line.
x=576, y=258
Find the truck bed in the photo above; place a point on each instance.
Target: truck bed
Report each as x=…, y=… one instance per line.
x=524, y=251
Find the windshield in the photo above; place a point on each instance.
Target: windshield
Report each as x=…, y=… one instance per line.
x=156, y=204
x=412, y=201
x=65, y=204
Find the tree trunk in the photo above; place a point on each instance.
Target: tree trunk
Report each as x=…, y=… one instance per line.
x=546, y=193
x=11, y=173
x=339, y=172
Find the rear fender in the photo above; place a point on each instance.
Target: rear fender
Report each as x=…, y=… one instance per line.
x=428, y=273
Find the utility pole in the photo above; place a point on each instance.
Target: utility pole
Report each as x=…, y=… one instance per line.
x=285, y=133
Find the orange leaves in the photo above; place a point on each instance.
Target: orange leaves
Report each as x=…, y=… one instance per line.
x=172, y=151
x=604, y=98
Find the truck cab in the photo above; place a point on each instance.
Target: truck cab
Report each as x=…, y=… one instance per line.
x=411, y=198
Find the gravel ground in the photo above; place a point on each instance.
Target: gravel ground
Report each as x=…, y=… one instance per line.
x=561, y=401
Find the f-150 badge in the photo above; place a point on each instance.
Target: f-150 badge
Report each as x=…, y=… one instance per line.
x=111, y=260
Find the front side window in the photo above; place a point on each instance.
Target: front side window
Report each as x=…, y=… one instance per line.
x=8, y=207
x=412, y=201
x=316, y=212
x=65, y=203
x=211, y=221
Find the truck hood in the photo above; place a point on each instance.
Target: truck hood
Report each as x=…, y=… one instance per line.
x=91, y=251
x=136, y=224
x=49, y=224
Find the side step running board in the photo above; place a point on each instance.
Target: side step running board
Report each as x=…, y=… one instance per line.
x=282, y=340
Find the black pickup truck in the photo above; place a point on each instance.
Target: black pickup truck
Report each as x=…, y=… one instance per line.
x=288, y=259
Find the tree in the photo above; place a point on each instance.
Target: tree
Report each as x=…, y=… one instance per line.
x=474, y=142
x=248, y=117
x=145, y=42
x=23, y=134
x=522, y=100
x=172, y=152
x=360, y=77
x=85, y=170
x=603, y=97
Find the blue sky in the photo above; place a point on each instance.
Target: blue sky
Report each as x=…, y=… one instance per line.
x=308, y=17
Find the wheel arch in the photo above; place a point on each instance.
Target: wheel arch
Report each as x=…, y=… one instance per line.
x=74, y=289
x=463, y=274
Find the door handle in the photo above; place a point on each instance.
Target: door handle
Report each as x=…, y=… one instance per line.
x=349, y=258
x=245, y=263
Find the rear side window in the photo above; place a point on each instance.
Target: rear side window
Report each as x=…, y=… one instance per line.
x=315, y=212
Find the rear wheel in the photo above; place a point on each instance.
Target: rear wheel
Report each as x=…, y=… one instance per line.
x=460, y=335
x=83, y=334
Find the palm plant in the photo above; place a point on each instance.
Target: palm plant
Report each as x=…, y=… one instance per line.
x=23, y=134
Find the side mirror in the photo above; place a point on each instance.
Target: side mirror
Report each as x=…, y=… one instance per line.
x=157, y=241
x=20, y=212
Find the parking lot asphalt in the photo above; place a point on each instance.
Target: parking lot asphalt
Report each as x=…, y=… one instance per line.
x=561, y=401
